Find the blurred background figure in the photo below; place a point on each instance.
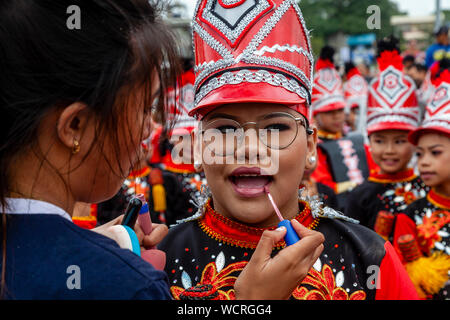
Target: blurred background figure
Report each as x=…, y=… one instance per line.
x=412, y=49
x=418, y=72
x=408, y=62
x=440, y=49
x=342, y=159
x=355, y=91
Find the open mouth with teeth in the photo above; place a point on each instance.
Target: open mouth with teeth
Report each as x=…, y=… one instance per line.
x=390, y=162
x=249, y=182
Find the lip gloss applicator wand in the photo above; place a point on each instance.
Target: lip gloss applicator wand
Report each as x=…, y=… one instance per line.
x=291, y=236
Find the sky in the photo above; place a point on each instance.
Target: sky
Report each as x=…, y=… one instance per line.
x=412, y=7
x=421, y=7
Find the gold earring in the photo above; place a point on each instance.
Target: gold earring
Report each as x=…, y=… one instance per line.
x=76, y=147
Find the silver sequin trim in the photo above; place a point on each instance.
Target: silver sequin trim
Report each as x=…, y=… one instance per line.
x=248, y=56
x=436, y=123
x=391, y=118
x=199, y=201
x=233, y=34
x=318, y=210
x=230, y=2
x=260, y=76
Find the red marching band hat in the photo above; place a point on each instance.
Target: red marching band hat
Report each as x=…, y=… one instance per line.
x=181, y=103
x=437, y=113
x=355, y=90
x=392, y=102
x=251, y=51
x=328, y=94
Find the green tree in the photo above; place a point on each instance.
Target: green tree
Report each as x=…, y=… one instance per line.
x=327, y=17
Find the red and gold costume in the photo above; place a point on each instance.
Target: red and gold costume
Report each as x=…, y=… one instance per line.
x=422, y=233
x=378, y=201
x=206, y=255
x=392, y=105
x=259, y=51
x=427, y=258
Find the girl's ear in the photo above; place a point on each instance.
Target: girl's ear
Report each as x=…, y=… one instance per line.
x=197, y=149
x=311, y=150
x=71, y=124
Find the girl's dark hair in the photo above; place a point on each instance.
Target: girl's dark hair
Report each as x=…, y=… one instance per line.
x=444, y=64
x=349, y=66
x=389, y=43
x=46, y=64
x=327, y=53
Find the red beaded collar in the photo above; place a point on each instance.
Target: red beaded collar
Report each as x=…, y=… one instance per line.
x=237, y=234
x=438, y=200
x=406, y=175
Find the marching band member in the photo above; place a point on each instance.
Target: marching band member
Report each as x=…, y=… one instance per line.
x=355, y=91
x=342, y=161
x=422, y=233
x=254, y=71
x=392, y=113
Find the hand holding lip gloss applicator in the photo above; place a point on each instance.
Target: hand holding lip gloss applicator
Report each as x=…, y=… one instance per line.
x=291, y=236
x=155, y=257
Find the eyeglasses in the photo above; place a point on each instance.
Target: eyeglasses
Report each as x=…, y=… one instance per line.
x=276, y=131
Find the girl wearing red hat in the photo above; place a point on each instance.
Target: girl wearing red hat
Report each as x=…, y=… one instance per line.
x=422, y=233
x=355, y=90
x=254, y=80
x=342, y=161
x=393, y=112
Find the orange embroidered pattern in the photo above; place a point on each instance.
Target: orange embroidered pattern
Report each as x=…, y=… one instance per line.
x=325, y=287
x=427, y=232
x=218, y=280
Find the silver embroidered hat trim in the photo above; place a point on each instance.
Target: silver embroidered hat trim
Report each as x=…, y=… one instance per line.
x=443, y=123
x=249, y=56
x=331, y=99
x=233, y=34
x=260, y=76
x=373, y=119
x=230, y=2
x=213, y=43
x=275, y=62
x=394, y=105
